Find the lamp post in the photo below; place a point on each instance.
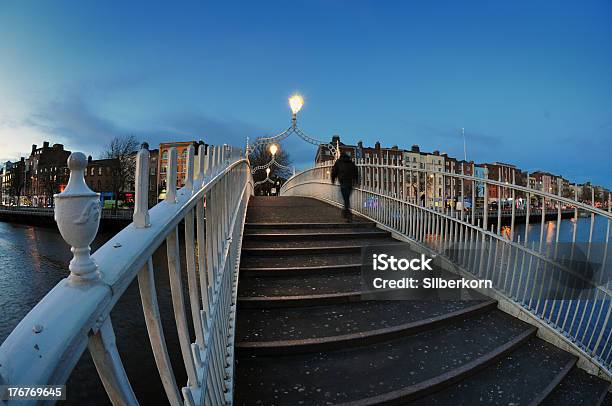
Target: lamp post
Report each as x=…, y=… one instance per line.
x=273, y=150
x=273, y=161
x=296, y=102
x=464, y=147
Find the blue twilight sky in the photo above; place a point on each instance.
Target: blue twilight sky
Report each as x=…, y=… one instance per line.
x=531, y=81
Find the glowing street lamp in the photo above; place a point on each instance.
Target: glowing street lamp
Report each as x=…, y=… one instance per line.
x=273, y=149
x=296, y=102
x=267, y=172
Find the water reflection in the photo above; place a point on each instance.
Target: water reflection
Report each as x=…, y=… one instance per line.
x=34, y=259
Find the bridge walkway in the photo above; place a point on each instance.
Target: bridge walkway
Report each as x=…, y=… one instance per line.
x=304, y=336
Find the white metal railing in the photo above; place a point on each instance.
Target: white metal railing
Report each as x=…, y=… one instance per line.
x=525, y=269
x=75, y=315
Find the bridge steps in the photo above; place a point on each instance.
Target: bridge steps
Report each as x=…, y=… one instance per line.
x=323, y=328
x=297, y=263
x=307, y=235
x=578, y=388
x=303, y=335
x=526, y=375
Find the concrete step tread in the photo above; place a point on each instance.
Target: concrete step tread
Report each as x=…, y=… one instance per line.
x=524, y=376
x=299, y=261
x=322, y=242
x=326, y=233
x=579, y=388
x=299, y=285
x=323, y=299
x=342, y=332
x=352, y=374
x=294, y=210
x=261, y=325
x=330, y=225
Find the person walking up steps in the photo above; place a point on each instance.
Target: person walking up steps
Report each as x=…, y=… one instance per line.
x=346, y=172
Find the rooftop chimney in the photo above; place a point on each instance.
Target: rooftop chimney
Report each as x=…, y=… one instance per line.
x=33, y=148
x=415, y=148
x=360, y=144
x=46, y=144
x=377, y=145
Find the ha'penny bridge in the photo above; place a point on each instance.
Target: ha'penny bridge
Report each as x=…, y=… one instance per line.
x=272, y=310
x=268, y=302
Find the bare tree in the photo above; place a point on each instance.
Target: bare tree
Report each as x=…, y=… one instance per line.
x=261, y=155
x=123, y=149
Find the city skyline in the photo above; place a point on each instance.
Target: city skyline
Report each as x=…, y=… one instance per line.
x=528, y=82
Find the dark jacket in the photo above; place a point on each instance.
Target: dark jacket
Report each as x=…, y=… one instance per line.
x=345, y=171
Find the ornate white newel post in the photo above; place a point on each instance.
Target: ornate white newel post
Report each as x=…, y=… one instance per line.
x=77, y=213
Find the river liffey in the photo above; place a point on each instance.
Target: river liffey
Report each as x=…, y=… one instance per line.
x=34, y=259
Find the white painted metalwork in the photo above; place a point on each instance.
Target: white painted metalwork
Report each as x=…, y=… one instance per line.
x=261, y=182
x=401, y=199
x=274, y=162
x=75, y=315
x=293, y=129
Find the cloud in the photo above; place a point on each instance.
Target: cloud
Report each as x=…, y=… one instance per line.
x=73, y=120
x=198, y=125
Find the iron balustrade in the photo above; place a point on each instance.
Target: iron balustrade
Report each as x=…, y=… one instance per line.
x=75, y=315
x=403, y=200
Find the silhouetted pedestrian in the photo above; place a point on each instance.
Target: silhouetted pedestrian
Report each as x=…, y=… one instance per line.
x=346, y=172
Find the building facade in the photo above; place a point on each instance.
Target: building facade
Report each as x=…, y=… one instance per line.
x=182, y=148
x=501, y=172
x=453, y=187
x=429, y=185
x=48, y=171
x=324, y=154
x=102, y=176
